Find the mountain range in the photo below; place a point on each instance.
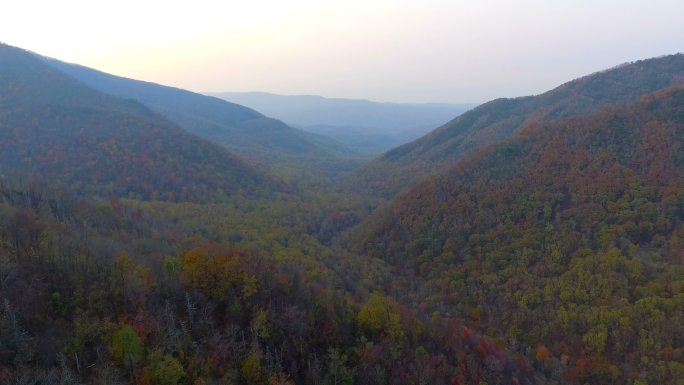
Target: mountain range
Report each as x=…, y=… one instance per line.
x=361, y=125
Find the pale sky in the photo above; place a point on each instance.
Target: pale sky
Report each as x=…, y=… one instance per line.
x=386, y=50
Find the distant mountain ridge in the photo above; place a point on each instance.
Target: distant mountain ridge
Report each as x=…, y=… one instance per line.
x=240, y=129
x=57, y=129
x=502, y=118
x=362, y=125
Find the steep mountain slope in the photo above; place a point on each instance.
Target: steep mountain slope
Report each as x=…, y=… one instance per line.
x=361, y=125
x=57, y=129
x=502, y=118
x=240, y=129
x=568, y=238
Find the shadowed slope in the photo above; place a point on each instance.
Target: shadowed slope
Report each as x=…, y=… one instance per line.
x=240, y=129
x=55, y=128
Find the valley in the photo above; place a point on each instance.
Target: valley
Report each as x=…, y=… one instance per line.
x=153, y=235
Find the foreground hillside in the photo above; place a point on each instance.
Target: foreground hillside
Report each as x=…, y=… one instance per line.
x=130, y=292
x=502, y=118
x=567, y=240
x=56, y=129
x=362, y=125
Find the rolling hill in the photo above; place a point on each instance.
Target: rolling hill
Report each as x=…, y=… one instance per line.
x=56, y=129
x=362, y=125
x=502, y=118
x=567, y=239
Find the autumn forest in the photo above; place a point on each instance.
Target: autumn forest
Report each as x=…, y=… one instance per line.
x=155, y=236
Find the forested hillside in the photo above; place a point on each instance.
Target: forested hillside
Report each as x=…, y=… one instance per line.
x=567, y=240
x=539, y=248
x=56, y=129
x=502, y=118
x=242, y=130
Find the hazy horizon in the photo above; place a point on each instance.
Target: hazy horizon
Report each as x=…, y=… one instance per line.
x=433, y=51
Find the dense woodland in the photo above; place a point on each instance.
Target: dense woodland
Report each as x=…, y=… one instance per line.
x=133, y=252
x=568, y=239
x=122, y=291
